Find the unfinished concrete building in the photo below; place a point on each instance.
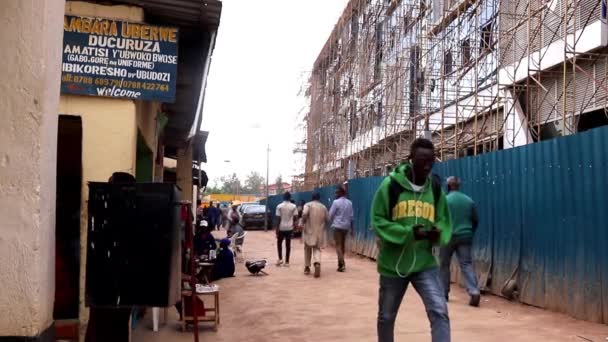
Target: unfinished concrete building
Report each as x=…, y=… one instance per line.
x=475, y=76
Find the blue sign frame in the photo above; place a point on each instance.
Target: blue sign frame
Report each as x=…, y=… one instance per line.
x=113, y=58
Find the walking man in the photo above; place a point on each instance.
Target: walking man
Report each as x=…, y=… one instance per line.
x=464, y=224
x=341, y=217
x=212, y=216
x=314, y=219
x=410, y=215
x=218, y=217
x=234, y=205
x=288, y=214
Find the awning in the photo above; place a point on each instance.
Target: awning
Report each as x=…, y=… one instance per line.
x=198, y=21
x=198, y=14
x=198, y=148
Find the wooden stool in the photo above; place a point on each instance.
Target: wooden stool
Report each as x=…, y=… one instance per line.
x=215, y=310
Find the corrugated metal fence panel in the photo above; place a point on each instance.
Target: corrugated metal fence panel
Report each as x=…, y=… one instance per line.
x=600, y=141
x=302, y=196
x=600, y=198
x=477, y=175
x=543, y=220
x=328, y=194
x=503, y=179
x=273, y=202
x=361, y=192
x=583, y=249
x=531, y=282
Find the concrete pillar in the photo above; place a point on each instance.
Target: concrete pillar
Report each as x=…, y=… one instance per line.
x=184, y=172
x=29, y=98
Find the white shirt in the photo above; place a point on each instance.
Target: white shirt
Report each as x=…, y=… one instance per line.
x=416, y=188
x=286, y=211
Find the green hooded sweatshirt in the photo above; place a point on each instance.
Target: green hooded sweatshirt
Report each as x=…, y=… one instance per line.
x=400, y=254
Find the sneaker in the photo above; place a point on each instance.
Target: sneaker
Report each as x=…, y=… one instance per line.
x=307, y=270
x=475, y=300
x=279, y=262
x=286, y=264
x=341, y=268
x=317, y=270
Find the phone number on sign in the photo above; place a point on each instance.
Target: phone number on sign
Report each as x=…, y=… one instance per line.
x=132, y=84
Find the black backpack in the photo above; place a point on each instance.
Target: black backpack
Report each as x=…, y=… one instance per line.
x=395, y=189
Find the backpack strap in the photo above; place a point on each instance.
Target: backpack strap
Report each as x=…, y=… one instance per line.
x=436, y=185
x=394, y=191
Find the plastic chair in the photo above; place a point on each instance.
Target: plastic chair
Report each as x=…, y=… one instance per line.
x=237, y=241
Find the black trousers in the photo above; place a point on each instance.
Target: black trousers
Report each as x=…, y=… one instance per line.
x=284, y=235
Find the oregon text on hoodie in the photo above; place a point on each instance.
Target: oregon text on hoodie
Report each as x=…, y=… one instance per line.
x=400, y=254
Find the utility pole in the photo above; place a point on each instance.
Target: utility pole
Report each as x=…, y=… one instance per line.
x=267, y=175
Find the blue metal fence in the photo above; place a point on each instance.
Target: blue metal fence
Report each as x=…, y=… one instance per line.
x=543, y=220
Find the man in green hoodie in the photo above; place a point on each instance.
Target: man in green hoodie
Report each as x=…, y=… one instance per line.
x=408, y=223
x=464, y=221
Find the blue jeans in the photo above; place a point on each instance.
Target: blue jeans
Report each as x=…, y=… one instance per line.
x=429, y=288
x=462, y=248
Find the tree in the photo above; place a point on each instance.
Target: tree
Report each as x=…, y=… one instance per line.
x=254, y=182
x=213, y=190
x=231, y=184
x=214, y=187
x=279, y=185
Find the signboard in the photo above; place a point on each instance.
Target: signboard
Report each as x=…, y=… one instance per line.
x=105, y=57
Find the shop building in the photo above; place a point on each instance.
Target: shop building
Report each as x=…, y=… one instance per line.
x=91, y=88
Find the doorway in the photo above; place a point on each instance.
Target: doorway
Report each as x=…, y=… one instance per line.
x=67, y=224
x=144, y=168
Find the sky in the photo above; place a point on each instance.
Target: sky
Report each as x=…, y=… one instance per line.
x=264, y=52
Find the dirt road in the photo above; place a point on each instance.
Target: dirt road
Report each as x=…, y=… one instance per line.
x=289, y=306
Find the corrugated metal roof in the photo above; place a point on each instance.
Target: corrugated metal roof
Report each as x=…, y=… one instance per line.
x=198, y=146
x=199, y=153
x=184, y=13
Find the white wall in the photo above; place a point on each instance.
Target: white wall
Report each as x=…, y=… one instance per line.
x=516, y=131
x=29, y=96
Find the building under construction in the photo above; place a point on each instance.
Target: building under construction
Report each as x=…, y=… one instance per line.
x=473, y=75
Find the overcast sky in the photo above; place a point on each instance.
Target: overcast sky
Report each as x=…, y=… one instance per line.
x=263, y=53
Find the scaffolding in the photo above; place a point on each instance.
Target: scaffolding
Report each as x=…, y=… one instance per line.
x=474, y=76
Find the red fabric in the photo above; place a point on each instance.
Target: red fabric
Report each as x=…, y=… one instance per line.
x=62, y=297
x=184, y=212
x=200, y=306
x=66, y=291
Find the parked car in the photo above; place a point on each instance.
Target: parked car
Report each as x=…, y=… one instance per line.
x=253, y=216
x=244, y=206
x=241, y=210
